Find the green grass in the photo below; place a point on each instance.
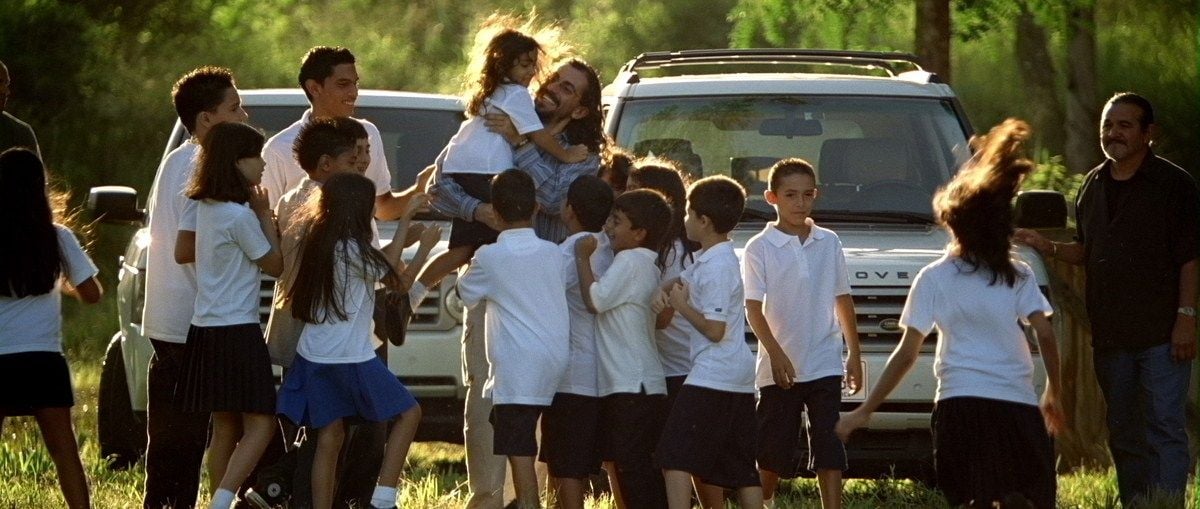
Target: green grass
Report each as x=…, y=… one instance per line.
x=436, y=475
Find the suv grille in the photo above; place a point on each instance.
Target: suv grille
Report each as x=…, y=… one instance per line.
x=878, y=310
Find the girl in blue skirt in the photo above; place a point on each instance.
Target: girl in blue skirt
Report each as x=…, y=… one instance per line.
x=336, y=374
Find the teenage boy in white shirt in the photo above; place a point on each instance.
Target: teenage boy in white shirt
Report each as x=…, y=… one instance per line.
x=798, y=304
x=631, y=378
x=527, y=332
x=203, y=98
x=571, y=426
x=710, y=433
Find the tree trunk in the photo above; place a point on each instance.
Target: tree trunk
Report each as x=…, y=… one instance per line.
x=1082, y=106
x=932, y=36
x=1043, y=109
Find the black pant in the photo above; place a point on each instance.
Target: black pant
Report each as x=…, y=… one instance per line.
x=633, y=423
x=175, y=439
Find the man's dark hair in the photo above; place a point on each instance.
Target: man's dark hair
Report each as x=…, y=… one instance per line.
x=591, y=199
x=647, y=210
x=514, y=196
x=589, y=130
x=318, y=64
x=203, y=89
x=1142, y=103
x=720, y=199
x=788, y=167
x=321, y=137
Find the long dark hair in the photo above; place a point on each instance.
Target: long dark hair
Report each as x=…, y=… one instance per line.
x=217, y=176
x=648, y=210
x=977, y=204
x=664, y=177
x=339, y=228
x=34, y=267
x=504, y=49
x=589, y=130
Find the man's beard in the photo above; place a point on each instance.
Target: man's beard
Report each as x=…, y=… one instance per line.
x=1116, y=150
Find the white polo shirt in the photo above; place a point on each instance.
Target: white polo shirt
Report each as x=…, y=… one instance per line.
x=228, y=241
x=625, y=326
x=981, y=350
x=582, y=376
x=170, y=286
x=476, y=149
x=715, y=289
x=798, y=284
x=345, y=341
x=527, y=329
x=34, y=323
x=673, y=341
x=283, y=171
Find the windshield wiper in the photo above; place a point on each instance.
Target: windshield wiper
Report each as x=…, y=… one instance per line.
x=873, y=216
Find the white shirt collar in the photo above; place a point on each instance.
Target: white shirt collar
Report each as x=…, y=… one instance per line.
x=779, y=238
x=716, y=250
x=517, y=233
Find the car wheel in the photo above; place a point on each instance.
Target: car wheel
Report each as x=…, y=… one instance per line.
x=121, y=432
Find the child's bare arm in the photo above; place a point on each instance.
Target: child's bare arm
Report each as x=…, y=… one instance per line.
x=88, y=292
x=848, y=321
x=713, y=330
x=1056, y=419
x=898, y=365
x=185, y=247
x=548, y=143
x=408, y=273
x=272, y=262
x=782, y=371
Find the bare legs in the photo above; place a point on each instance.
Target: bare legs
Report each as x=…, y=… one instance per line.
x=238, y=440
x=59, y=436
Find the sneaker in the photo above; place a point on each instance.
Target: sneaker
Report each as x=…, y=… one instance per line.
x=270, y=497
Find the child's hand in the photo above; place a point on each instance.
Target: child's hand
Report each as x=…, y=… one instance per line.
x=678, y=295
x=585, y=246
x=424, y=177
x=659, y=301
x=1052, y=413
x=782, y=371
x=413, y=234
x=415, y=202
x=430, y=237
x=576, y=154
x=259, y=201
x=854, y=374
x=850, y=422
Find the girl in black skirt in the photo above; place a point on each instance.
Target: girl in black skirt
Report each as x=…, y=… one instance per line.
x=991, y=442
x=33, y=372
x=227, y=368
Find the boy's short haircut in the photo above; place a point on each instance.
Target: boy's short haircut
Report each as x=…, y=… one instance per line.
x=353, y=128
x=320, y=137
x=319, y=62
x=647, y=210
x=514, y=197
x=203, y=89
x=719, y=198
x=788, y=167
x=591, y=199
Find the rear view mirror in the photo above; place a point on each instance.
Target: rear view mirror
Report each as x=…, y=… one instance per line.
x=1040, y=209
x=115, y=204
x=790, y=127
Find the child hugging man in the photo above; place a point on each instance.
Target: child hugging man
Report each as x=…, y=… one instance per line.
x=521, y=281
x=571, y=426
x=710, y=432
x=631, y=380
x=798, y=304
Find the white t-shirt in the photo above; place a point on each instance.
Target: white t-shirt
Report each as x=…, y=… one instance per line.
x=228, y=241
x=582, y=376
x=674, y=345
x=283, y=171
x=715, y=289
x=345, y=341
x=475, y=149
x=625, y=325
x=170, y=286
x=981, y=350
x=798, y=284
x=34, y=323
x=527, y=329
x=283, y=329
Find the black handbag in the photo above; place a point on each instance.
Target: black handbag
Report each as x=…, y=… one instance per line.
x=392, y=313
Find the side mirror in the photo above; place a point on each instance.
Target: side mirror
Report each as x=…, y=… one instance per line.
x=115, y=204
x=1040, y=209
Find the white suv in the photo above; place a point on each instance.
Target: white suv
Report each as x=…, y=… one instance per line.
x=415, y=127
x=883, y=135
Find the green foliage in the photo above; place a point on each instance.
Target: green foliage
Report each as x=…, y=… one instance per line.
x=1053, y=175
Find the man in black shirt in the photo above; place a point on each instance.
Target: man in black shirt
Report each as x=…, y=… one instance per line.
x=1138, y=219
x=13, y=132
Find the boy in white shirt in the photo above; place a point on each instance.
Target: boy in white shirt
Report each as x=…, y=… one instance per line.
x=520, y=278
x=571, y=426
x=631, y=378
x=710, y=433
x=798, y=304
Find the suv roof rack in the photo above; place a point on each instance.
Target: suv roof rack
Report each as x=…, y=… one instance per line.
x=868, y=59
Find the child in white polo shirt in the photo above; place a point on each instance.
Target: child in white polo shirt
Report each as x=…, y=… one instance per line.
x=631, y=378
x=710, y=433
x=798, y=304
x=521, y=279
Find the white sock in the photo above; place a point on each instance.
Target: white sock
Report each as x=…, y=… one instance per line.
x=383, y=497
x=769, y=503
x=416, y=294
x=222, y=499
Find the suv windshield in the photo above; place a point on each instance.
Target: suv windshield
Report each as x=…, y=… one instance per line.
x=877, y=159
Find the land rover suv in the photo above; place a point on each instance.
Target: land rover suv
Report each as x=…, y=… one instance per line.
x=883, y=135
x=414, y=127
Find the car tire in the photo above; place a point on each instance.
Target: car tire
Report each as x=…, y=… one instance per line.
x=120, y=431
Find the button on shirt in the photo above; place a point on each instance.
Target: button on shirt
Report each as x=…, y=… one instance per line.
x=625, y=326
x=798, y=284
x=715, y=289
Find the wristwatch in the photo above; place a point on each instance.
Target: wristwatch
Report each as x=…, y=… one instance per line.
x=1187, y=311
x=524, y=141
